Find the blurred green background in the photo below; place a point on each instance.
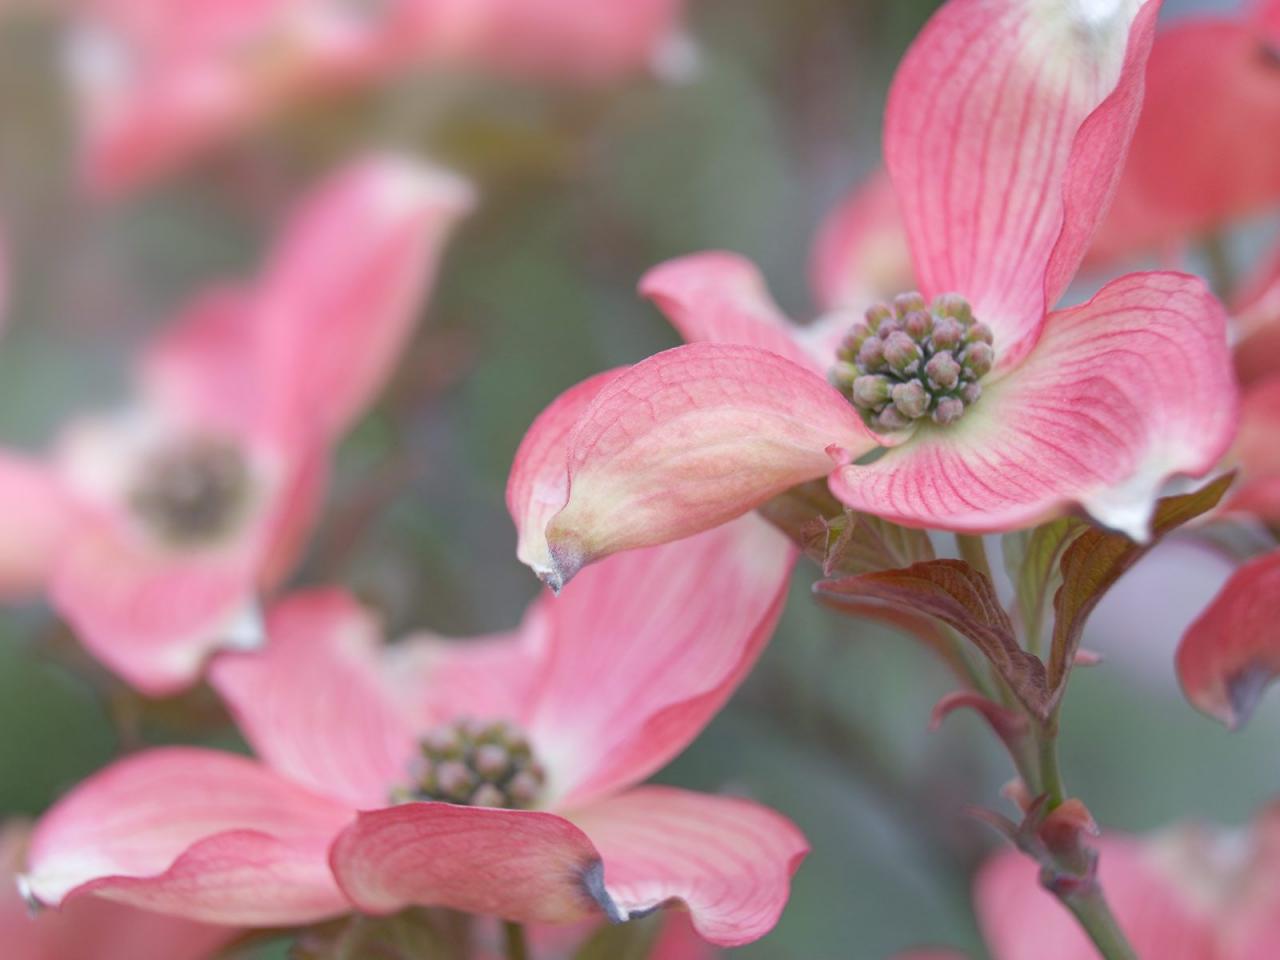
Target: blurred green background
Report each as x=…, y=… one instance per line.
x=582, y=191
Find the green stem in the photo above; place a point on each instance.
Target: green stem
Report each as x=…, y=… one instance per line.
x=1050, y=772
x=1222, y=276
x=513, y=935
x=973, y=551
x=1096, y=919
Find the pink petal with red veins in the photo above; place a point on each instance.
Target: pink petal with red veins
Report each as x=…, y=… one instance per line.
x=1119, y=395
x=522, y=865
x=151, y=616
x=728, y=861
x=335, y=315
x=722, y=298
x=1022, y=921
x=312, y=702
x=1207, y=147
x=539, y=482
x=1231, y=653
x=193, y=833
x=1005, y=132
x=645, y=647
x=861, y=254
x=689, y=439
x=35, y=518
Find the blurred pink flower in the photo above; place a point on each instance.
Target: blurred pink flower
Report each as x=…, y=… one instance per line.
x=1189, y=893
x=1257, y=321
x=152, y=528
x=535, y=737
x=1006, y=127
x=92, y=928
x=1207, y=147
x=160, y=81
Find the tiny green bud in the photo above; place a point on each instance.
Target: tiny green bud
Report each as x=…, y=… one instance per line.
x=943, y=371
x=953, y=305
x=979, y=333
x=948, y=410
x=853, y=340
x=843, y=374
x=876, y=314
x=902, y=354
x=871, y=354
x=971, y=393
x=911, y=399
x=487, y=795
x=918, y=324
x=871, y=390
x=978, y=358
x=905, y=303
x=889, y=419
x=948, y=332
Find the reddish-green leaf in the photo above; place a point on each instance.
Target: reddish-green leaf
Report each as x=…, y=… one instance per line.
x=1031, y=559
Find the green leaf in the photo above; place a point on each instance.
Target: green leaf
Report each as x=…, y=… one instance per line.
x=1097, y=559
x=633, y=940
x=1031, y=559
x=964, y=599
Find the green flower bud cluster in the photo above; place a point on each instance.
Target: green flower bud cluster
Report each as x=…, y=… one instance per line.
x=477, y=764
x=192, y=491
x=912, y=360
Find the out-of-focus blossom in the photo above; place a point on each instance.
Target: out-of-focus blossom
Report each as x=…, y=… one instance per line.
x=1189, y=893
x=1257, y=453
x=534, y=739
x=1231, y=653
x=160, y=81
x=996, y=413
x=91, y=928
x=1257, y=317
x=152, y=528
x=1207, y=147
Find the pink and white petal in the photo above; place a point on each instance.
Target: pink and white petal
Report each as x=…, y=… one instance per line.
x=689, y=439
x=1119, y=395
x=436, y=680
x=1022, y=921
x=193, y=833
x=312, y=704
x=1005, y=133
x=296, y=506
x=1231, y=653
x=728, y=861
x=153, y=617
x=522, y=865
x=36, y=514
x=539, y=482
x=334, y=315
x=722, y=298
x=646, y=646
x=861, y=254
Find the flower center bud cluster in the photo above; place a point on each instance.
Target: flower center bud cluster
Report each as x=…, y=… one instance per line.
x=477, y=764
x=911, y=360
x=191, y=492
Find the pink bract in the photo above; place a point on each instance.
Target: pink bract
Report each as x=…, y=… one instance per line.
x=1006, y=128
x=609, y=682
x=153, y=528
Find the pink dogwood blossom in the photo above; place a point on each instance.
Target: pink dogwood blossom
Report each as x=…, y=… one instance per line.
x=536, y=738
x=161, y=81
x=1006, y=128
x=92, y=928
x=152, y=528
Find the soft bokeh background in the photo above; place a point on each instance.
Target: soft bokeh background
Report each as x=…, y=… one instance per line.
x=582, y=191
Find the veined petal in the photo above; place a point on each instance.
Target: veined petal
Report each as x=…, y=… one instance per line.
x=335, y=314
x=1022, y=921
x=522, y=865
x=728, y=861
x=193, y=833
x=1119, y=395
x=1231, y=652
x=689, y=439
x=539, y=482
x=1005, y=133
x=312, y=702
x=35, y=518
x=1258, y=453
x=861, y=254
x=721, y=297
x=646, y=646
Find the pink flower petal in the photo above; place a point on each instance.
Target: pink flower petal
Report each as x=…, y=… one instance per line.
x=1207, y=147
x=1257, y=315
x=193, y=833
x=728, y=860
x=1231, y=652
x=539, y=482
x=1258, y=454
x=91, y=928
x=35, y=518
x=861, y=254
x=646, y=646
x=335, y=315
x=1005, y=132
x=721, y=297
x=312, y=703
x=1021, y=921
x=522, y=865
x=1120, y=394
x=689, y=439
